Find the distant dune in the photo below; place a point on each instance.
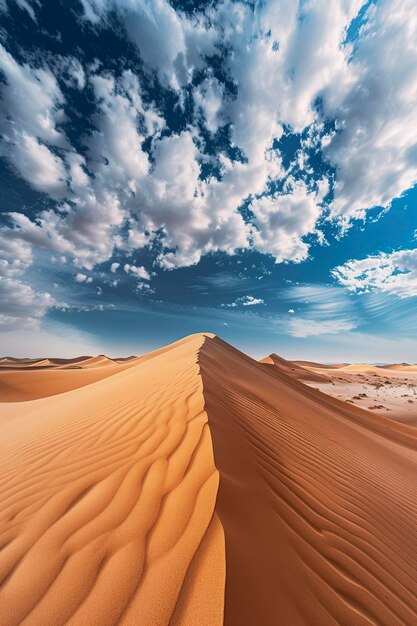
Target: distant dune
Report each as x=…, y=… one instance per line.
x=293, y=369
x=315, y=365
x=196, y=486
x=30, y=381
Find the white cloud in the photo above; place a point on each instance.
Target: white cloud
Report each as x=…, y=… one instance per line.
x=38, y=165
x=15, y=257
x=114, y=267
x=25, y=5
x=245, y=301
x=282, y=221
x=71, y=72
x=31, y=100
x=21, y=306
x=250, y=301
x=197, y=216
x=117, y=139
x=264, y=98
x=168, y=41
x=78, y=175
x=394, y=273
x=140, y=271
x=208, y=99
x=280, y=58
x=374, y=152
x=83, y=278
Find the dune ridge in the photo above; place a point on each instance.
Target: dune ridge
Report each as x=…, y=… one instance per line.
x=198, y=486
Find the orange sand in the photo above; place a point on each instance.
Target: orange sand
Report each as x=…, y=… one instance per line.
x=200, y=487
x=293, y=369
x=107, y=511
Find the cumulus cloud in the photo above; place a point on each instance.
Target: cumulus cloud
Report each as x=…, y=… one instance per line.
x=283, y=220
x=138, y=271
x=117, y=141
x=83, y=278
x=15, y=257
x=394, y=273
x=21, y=306
x=32, y=101
x=38, y=165
x=245, y=301
x=372, y=149
x=208, y=100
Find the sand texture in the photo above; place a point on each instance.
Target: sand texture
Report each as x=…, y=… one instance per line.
x=197, y=486
x=108, y=495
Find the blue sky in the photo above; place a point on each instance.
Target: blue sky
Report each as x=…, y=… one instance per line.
x=243, y=168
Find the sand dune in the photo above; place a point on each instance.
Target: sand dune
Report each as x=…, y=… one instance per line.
x=96, y=361
x=108, y=502
x=404, y=367
x=26, y=384
x=361, y=367
x=200, y=487
x=315, y=365
x=393, y=366
x=293, y=369
x=32, y=379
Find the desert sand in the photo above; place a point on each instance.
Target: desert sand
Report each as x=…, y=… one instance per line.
x=389, y=390
x=197, y=486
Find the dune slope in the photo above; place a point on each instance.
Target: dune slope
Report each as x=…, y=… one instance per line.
x=316, y=498
x=200, y=487
x=292, y=369
x=107, y=509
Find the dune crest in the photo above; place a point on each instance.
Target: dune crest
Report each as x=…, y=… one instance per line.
x=198, y=486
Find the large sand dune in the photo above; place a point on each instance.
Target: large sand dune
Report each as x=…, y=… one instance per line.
x=199, y=487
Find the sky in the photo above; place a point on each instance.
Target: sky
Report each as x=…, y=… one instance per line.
x=243, y=168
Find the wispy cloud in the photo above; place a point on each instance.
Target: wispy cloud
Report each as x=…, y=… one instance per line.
x=320, y=310
x=304, y=327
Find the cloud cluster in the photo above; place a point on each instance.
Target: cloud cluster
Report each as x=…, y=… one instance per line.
x=393, y=273
x=21, y=306
x=374, y=153
x=241, y=72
